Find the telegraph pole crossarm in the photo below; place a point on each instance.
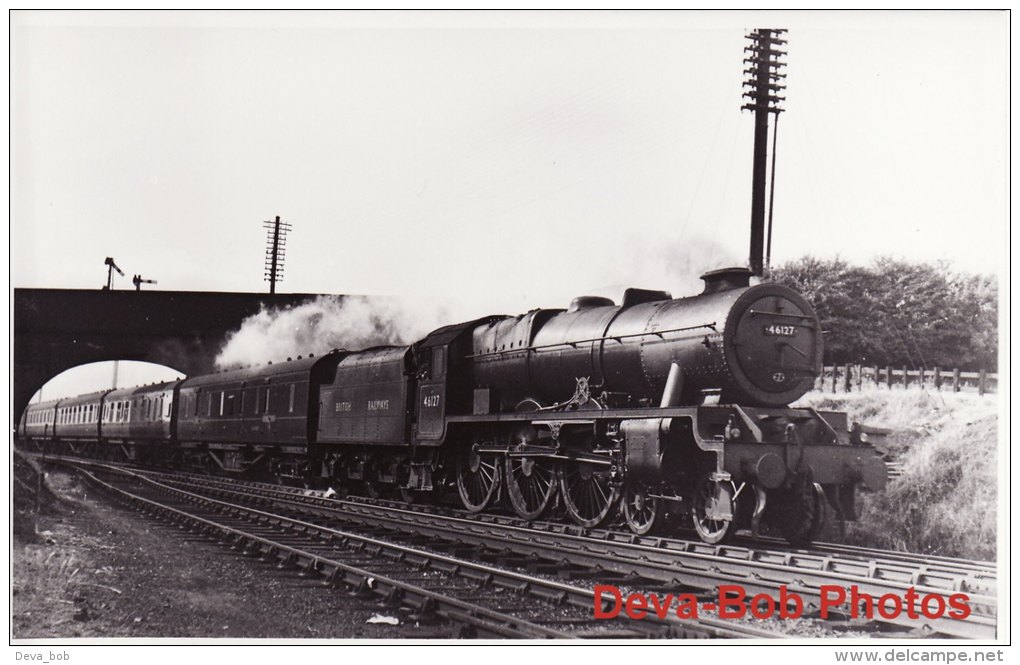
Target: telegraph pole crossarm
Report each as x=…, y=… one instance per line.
x=276, y=250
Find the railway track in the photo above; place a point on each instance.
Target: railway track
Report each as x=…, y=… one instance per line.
x=650, y=562
x=942, y=573
x=477, y=599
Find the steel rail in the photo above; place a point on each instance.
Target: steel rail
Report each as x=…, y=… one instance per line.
x=651, y=558
x=942, y=573
x=756, y=572
x=337, y=572
x=502, y=625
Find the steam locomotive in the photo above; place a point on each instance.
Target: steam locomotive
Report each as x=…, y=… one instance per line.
x=651, y=410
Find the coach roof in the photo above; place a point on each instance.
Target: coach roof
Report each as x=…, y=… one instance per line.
x=261, y=373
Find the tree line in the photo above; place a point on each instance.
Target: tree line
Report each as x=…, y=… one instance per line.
x=897, y=313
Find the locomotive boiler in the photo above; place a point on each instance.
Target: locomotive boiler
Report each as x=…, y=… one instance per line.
x=759, y=346
x=658, y=411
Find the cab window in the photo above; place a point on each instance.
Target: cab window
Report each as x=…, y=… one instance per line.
x=438, y=362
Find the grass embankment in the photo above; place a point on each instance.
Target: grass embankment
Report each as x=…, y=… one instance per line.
x=945, y=503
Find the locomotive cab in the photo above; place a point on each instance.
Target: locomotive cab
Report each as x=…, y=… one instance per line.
x=444, y=385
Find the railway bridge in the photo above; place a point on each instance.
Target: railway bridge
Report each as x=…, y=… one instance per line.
x=57, y=329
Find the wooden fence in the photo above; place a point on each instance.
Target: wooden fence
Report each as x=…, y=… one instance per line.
x=845, y=378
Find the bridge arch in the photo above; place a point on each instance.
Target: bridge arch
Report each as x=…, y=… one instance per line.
x=57, y=329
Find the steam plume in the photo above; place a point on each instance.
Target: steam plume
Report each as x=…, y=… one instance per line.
x=328, y=322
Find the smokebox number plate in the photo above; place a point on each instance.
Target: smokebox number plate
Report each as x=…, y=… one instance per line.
x=781, y=331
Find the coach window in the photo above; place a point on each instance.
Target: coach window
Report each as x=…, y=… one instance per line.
x=290, y=407
x=265, y=402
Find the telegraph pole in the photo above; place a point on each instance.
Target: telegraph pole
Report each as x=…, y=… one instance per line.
x=276, y=250
x=763, y=79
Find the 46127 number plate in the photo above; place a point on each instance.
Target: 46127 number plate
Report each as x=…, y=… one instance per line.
x=781, y=331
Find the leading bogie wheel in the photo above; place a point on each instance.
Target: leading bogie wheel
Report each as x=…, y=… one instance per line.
x=714, y=510
x=642, y=512
x=798, y=512
x=588, y=493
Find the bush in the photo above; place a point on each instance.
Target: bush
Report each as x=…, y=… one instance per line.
x=899, y=313
x=945, y=503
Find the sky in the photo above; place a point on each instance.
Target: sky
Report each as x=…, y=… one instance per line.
x=494, y=162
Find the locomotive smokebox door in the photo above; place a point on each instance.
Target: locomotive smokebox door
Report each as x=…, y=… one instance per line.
x=432, y=392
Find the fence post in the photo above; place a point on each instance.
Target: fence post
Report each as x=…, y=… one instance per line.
x=905, y=377
x=876, y=374
x=956, y=379
x=834, y=372
x=888, y=377
x=860, y=376
x=846, y=379
x=921, y=378
x=938, y=378
x=982, y=382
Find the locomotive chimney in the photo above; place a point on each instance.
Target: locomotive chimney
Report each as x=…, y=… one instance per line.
x=725, y=279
